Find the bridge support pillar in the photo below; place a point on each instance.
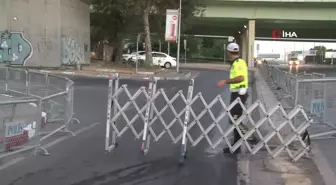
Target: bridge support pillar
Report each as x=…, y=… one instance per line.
x=250, y=39
x=244, y=45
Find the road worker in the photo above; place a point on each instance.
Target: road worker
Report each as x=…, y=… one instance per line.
x=238, y=84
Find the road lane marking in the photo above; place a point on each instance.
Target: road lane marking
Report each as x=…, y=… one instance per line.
x=17, y=160
x=243, y=170
x=11, y=162
x=64, y=138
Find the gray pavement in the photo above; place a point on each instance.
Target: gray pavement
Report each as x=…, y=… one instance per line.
x=81, y=160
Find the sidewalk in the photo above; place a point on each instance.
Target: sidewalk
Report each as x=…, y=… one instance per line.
x=205, y=66
x=125, y=73
x=324, y=157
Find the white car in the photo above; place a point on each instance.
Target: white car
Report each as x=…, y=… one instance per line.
x=128, y=57
x=159, y=58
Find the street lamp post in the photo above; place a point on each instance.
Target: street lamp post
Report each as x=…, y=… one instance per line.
x=179, y=39
x=137, y=54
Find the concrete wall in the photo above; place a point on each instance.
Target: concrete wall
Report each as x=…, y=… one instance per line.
x=75, y=31
x=43, y=23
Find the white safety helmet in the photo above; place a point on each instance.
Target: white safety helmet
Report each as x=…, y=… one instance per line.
x=233, y=47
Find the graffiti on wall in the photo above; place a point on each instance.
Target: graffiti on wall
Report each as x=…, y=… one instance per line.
x=72, y=53
x=14, y=48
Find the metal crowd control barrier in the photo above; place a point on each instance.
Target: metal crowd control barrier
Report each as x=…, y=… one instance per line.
x=53, y=93
x=287, y=81
x=315, y=93
x=147, y=116
x=21, y=123
x=318, y=98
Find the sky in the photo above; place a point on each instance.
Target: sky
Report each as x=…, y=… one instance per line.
x=281, y=47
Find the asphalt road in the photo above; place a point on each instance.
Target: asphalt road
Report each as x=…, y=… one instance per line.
x=81, y=160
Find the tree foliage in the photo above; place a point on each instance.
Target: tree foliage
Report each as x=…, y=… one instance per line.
x=320, y=50
x=112, y=20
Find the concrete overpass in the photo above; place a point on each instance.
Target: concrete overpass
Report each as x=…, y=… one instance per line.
x=56, y=31
x=248, y=20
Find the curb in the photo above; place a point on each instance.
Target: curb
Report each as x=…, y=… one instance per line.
x=285, y=66
x=115, y=71
x=186, y=76
x=322, y=165
x=224, y=68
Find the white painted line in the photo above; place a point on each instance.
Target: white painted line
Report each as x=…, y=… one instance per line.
x=11, y=162
x=104, y=76
x=68, y=73
x=44, y=71
x=64, y=138
x=146, y=73
x=243, y=170
x=195, y=76
x=16, y=160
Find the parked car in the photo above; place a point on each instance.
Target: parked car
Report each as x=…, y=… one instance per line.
x=159, y=58
x=128, y=57
x=28, y=132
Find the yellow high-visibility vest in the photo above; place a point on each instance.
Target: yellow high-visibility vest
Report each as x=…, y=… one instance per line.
x=239, y=68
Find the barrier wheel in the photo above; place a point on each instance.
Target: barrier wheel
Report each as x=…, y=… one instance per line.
x=181, y=161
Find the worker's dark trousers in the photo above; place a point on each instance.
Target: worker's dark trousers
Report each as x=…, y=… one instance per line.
x=237, y=111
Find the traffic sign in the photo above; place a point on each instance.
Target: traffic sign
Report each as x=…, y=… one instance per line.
x=296, y=52
x=312, y=52
x=171, y=25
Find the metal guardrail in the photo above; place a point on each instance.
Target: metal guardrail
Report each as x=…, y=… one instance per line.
x=151, y=114
x=287, y=81
x=316, y=94
x=49, y=96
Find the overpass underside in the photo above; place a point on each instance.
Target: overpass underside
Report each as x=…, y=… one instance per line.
x=248, y=21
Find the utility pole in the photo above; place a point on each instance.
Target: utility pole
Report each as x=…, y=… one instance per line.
x=179, y=39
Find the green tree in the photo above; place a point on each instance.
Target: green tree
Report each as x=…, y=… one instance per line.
x=156, y=11
x=113, y=19
x=320, y=50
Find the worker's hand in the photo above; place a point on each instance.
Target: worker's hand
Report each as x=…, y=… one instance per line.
x=221, y=83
